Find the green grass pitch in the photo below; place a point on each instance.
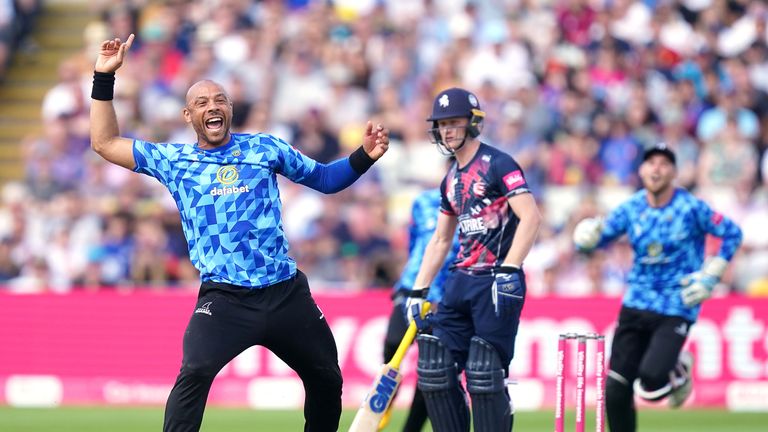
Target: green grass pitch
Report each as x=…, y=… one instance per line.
x=130, y=419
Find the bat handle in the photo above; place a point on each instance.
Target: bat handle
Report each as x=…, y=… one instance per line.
x=410, y=335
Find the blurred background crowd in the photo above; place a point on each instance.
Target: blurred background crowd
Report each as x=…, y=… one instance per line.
x=573, y=89
x=16, y=20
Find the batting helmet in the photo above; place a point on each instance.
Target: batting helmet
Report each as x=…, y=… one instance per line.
x=456, y=102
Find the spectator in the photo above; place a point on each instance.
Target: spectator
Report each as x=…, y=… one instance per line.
x=728, y=159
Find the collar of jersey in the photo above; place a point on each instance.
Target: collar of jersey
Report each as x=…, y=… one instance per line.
x=674, y=195
x=477, y=153
x=219, y=149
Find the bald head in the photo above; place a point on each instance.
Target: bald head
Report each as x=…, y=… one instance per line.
x=205, y=88
x=209, y=111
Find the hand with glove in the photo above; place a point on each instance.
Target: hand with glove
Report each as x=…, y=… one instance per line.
x=508, y=290
x=415, y=308
x=698, y=286
x=587, y=234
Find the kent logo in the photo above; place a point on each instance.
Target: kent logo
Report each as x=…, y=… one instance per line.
x=378, y=402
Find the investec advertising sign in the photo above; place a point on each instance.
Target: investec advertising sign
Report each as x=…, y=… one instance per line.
x=116, y=348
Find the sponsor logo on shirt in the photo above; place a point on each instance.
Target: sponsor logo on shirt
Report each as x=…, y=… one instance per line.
x=514, y=179
x=470, y=226
x=227, y=175
x=229, y=190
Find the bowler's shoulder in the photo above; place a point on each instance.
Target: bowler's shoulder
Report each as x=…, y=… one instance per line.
x=163, y=147
x=260, y=140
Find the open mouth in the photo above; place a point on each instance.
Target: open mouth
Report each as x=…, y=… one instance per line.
x=214, y=123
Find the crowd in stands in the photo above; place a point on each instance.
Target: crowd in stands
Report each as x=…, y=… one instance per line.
x=16, y=20
x=573, y=89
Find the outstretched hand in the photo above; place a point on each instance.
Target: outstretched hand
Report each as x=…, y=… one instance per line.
x=375, y=141
x=112, y=54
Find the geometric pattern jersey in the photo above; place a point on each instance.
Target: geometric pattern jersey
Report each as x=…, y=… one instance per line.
x=476, y=195
x=668, y=244
x=424, y=213
x=230, y=204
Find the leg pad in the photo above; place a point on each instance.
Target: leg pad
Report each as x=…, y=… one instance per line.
x=491, y=407
x=438, y=381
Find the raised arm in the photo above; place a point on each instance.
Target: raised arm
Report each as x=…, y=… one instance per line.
x=105, y=133
x=338, y=175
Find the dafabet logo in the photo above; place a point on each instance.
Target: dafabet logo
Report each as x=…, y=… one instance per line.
x=227, y=175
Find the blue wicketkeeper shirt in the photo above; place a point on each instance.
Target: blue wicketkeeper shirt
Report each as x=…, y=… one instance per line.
x=668, y=244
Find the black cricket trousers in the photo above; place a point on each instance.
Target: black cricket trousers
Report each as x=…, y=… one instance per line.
x=284, y=319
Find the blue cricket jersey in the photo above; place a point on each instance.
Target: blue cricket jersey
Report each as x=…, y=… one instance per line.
x=668, y=244
x=424, y=212
x=230, y=204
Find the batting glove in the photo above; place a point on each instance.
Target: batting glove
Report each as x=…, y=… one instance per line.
x=508, y=291
x=414, y=305
x=698, y=286
x=587, y=234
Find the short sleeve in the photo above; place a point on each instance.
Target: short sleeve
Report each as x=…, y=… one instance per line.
x=445, y=203
x=153, y=159
x=512, y=177
x=291, y=163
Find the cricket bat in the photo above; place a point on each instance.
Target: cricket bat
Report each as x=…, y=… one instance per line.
x=385, y=385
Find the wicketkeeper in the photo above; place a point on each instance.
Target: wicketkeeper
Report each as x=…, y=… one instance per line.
x=667, y=228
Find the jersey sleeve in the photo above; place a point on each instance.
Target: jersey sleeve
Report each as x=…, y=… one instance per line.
x=325, y=178
x=616, y=224
x=153, y=159
x=714, y=223
x=291, y=163
x=512, y=177
x=445, y=203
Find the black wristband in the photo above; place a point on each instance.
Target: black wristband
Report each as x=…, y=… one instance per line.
x=103, y=86
x=360, y=160
x=509, y=269
x=418, y=293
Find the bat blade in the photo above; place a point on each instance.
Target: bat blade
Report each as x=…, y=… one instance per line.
x=384, y=386
x=377, y=401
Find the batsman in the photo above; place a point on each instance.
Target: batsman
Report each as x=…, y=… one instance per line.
x=486, y=196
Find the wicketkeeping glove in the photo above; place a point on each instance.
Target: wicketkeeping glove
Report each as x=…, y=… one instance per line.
x=587, y=234
x=698, y=286
x=508, y=290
